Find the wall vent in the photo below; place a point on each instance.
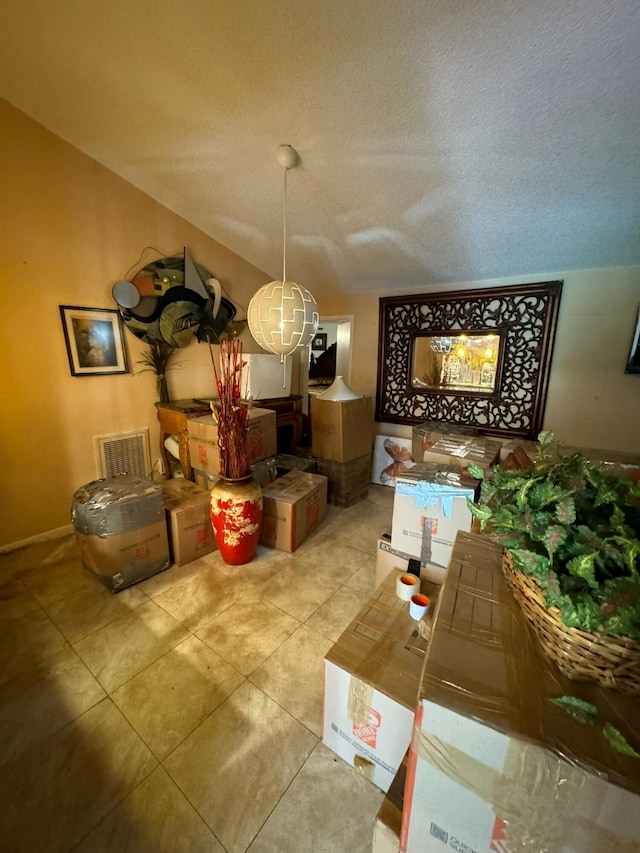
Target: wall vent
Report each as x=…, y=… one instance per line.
x=123, y=453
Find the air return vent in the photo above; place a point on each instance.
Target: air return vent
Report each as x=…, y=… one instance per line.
x=123, y=453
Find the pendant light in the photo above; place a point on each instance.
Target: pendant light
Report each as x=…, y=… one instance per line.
x=283, y=315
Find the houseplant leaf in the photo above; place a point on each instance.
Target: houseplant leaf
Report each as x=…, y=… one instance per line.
x=618, y=741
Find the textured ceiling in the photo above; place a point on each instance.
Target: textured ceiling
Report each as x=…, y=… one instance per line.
x=440, y=140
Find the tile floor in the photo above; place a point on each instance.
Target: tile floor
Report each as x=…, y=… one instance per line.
x=185, y=713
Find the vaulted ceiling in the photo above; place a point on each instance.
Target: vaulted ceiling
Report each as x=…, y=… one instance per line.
x=440, y=140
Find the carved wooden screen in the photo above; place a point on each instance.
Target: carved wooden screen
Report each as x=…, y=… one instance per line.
x=521, y=318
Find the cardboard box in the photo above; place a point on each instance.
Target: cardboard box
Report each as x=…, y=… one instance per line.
x=204, y=479
x=494, y=764
x=425, y=435
x=389, y=559
x=621, y=463
x=429, y=508
x=203, y=439
x=343, y=430
x=294, y=505
x=371, y=684
x=348, y=481
x=388, y=823
x=460, y=450
x=514, y=445
x=264, y=471
x=121, y=530
x=190, y=530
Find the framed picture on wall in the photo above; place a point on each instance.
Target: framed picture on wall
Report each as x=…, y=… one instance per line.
x=633, y=362
x=319, y=343
x=94, y=339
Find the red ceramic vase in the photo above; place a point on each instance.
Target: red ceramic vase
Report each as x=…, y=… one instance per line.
x=236, y=515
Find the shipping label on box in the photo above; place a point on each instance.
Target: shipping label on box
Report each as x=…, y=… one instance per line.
x=429, y=508
x=294, y=505
x=341, y=430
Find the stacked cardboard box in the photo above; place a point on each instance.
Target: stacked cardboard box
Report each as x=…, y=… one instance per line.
x=203, y=439
x=348, y=481
x=460, y=450
x=190, y=530
x=425, y=435
x=495, y=763
x=371, y=682
x=341, y=437
x=294, y=505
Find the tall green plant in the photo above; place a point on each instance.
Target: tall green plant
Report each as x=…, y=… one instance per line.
x=574, y=527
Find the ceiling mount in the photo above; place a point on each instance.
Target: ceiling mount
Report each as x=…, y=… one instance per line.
x=287, y=156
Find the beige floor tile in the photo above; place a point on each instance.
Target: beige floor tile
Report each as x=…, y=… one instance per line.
x=293, y=676
x=56, y=581
x=235, y=766
x=298, y=591
x=166, y=701
x=328, y=808
x=87, y=611
x=155, y=818
x=36, y=555
x=331, y=561
x=195, y=601
x=26, y=642
x=43, y=700
x=61, y=788
x=248, y=632
x=363, y=529
x=265, y=565
x=120, y=650
x=156, y=584
x=16, y=601
x=337, y=612
x=364, y=579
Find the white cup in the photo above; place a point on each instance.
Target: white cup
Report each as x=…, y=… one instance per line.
x=406, y=586
x=418, y=606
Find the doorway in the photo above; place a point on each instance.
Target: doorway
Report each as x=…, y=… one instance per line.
x=328, y=356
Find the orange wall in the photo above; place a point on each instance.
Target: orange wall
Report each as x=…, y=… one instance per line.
x=70, y=229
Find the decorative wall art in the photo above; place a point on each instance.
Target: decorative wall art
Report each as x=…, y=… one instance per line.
x=94, y=340
x=633, y=362
x=319, y=342
x=478, y=358
x=391, y=457
x=174, y=300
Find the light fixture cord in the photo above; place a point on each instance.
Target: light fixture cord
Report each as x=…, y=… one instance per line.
x=284, y=231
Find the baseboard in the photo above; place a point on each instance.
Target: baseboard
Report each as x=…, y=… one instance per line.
x=58, y=533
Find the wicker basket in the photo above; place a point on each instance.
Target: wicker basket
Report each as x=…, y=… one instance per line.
x=580, y=655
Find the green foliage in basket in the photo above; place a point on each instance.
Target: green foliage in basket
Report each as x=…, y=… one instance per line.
x=574, y=526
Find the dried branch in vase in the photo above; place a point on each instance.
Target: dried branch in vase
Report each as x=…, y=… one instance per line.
x=231, y=411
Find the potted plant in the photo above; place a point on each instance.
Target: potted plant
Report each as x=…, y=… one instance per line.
x=571, y=531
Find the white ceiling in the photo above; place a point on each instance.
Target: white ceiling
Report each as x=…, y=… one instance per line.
x=440, y=140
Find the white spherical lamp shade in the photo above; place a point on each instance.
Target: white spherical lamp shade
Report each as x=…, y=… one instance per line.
x=283, y=316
